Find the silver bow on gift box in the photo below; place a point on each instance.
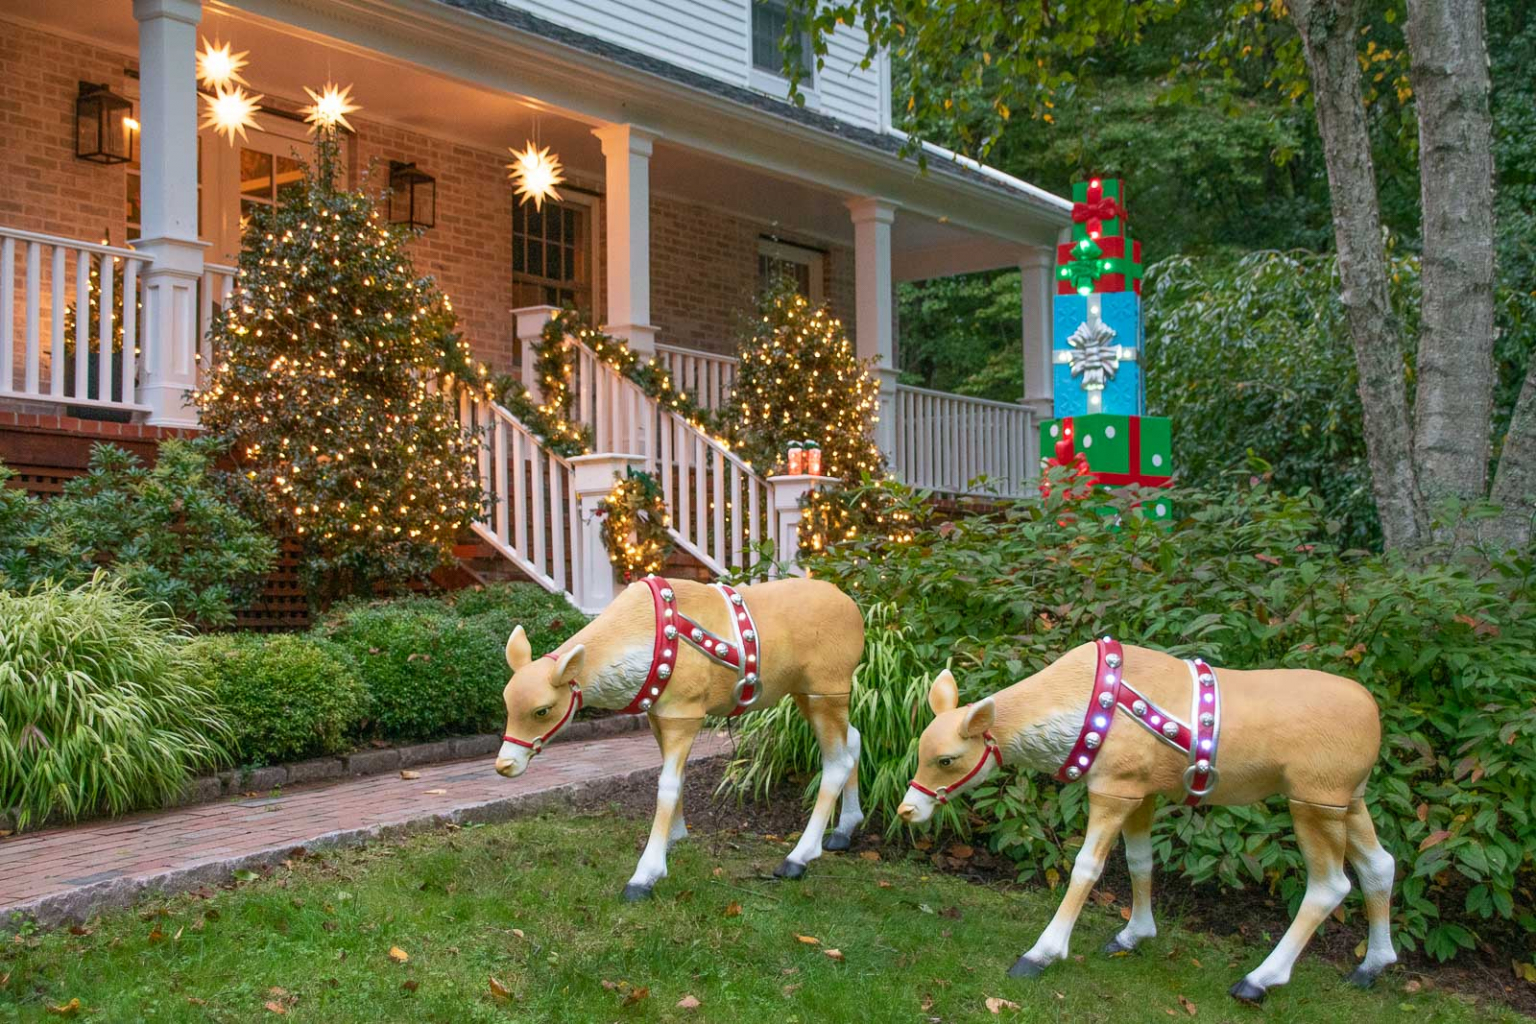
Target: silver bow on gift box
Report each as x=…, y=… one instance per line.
x=1094, y=357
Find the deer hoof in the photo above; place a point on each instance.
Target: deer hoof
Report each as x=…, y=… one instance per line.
x=1362, y=978
x=635, y=893
x=1114, y=947
x=1246, y=991
x=789, y=870
x=837, y=841
x=1024, y=967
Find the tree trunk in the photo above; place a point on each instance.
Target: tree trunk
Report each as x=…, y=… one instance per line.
x=1328, y=30
x=1453, y=409
x=1514, y=485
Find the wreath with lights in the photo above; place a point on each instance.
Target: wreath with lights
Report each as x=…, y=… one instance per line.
x=634, y=527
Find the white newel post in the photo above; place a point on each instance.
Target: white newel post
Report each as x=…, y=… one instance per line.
x=1037, y=286
x=787, y=492
x=528, y=324
x=596, y=582
x=627, y=203
x=168, y=156
x=874, y=321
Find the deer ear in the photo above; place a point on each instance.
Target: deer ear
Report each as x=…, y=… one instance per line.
x=569, y=665
x=944, y=695
x=979, y=718
x=519, y=653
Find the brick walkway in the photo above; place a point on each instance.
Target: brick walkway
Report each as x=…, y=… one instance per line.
x=67, y=874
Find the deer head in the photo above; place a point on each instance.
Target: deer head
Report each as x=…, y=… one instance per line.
x=541, y=698
x=954, y=750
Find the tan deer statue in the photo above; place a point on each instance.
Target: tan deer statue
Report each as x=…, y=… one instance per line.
x=1133, y=724
x=676, y=651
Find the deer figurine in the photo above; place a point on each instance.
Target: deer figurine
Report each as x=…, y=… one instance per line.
x=1308, y=736
x=676, y=651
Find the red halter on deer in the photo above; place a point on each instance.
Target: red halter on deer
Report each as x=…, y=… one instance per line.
x=1308, y=736
x=676, y=651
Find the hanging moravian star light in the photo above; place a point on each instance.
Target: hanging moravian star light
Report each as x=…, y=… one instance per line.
x=536, y=171
x=218, y=68
x=230, y=111
x=331, y=107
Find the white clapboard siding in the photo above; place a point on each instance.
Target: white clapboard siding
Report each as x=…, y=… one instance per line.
x=713, y=37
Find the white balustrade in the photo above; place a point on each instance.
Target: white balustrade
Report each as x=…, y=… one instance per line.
x=96, y=361
x=707, y=376
x=946, y=442
x=213, y=295
x=533, y=519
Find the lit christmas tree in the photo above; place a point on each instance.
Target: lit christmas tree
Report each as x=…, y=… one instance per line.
x=333, y=373
x=800, y=380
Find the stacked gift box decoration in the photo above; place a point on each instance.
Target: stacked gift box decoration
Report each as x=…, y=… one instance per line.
x=1097, y=339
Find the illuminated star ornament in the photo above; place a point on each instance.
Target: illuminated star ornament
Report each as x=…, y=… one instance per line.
x=230, y=111
x=536, y=172
x=331, y=107
x=217, y=68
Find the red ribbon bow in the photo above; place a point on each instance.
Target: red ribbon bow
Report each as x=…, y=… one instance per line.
x=1095, y=212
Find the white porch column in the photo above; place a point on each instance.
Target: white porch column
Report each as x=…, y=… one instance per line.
x=168, y=156
x=1037, y=288
x=874, y=322
x=627, y=204
x=787, y=492
x=527, y=327
x=595, y=583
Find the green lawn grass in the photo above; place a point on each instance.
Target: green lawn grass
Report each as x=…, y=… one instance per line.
x=534, y=904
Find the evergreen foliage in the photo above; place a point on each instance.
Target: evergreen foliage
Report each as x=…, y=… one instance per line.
x=331, y=382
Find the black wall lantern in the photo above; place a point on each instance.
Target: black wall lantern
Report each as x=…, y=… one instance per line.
x=104, y=126
x=412, y=196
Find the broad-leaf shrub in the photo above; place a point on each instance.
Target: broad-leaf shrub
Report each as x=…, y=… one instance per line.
x=285, y=697
x=428, y=673
x=169, y=532
x=101, y=708
x=1246, y=578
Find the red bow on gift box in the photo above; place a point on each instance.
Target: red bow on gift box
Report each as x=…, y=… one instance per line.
x=1095, y=211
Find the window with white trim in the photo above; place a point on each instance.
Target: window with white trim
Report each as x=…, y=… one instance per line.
x=800, y=264
x=770, y=19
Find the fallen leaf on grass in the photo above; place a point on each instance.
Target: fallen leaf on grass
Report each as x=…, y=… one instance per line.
x=398, y=955
x=834, y=954
x=923, y=844
x=996, y=1005
x=410, y=984
x=68, y=1009
x=246, y=875
x=79, y=929
x=518, y=932
x=688, y=1003
x=809, y=940
x=273, y=1006
x=1360, y=950
x=926, y=1004
x=790, y=990
x=1125, y=913
x=156, y=935
x=870, y=855
x=499, y=992
x=5, y=979
x=1189, y=1007
x=635, y=995
x=732, y=909
x=1526, y=972
x=961, y=852
x=883, y=884
x=1412, y=986
x=436, y=792
x=408, y=775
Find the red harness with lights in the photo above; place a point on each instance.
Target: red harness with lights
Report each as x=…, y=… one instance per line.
x=1111, y=691
x=740, y=654
x=672, y=625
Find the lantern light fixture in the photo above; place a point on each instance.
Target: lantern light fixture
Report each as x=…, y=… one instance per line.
x=104, y=125
x=412, y=196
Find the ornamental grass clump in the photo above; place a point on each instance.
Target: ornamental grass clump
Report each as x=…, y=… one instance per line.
x=101, y=707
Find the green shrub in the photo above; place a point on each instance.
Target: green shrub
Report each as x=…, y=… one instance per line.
x=285, y=697
x=1246, y=578
x=100, y=705
x=427, y=672
x=547, y=618
x=169, y=532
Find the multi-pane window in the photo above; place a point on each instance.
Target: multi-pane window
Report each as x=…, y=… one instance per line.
x=802, y=266
x=263, y=176
x=770, y=20
x=550, y=261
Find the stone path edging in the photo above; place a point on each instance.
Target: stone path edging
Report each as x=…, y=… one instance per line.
x=65, y=875
x=238, y=781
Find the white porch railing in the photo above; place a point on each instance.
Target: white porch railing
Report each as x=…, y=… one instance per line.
x=93, y=364
x=945, y=441
x=707, y=376
x=719, y=505
x=215, y=290
x=533, y=517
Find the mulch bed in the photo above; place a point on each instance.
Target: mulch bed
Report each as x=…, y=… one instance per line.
x=1248, y=913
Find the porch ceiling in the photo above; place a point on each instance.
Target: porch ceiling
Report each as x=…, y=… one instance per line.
x=943, y=227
